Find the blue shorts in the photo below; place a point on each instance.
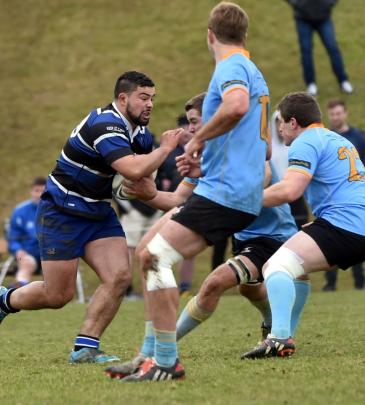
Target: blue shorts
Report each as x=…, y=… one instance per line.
x=63, y=236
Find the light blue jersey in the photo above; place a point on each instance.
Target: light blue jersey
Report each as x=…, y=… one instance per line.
x=275, y=222
x=233, y=163
x=336, y=192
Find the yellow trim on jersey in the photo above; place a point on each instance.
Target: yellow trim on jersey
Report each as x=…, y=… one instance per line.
x=242, y=88
x=186, y=183
x=315, y=125
x=294, y=169
x=242, y=51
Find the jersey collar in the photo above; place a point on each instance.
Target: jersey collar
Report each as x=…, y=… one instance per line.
x=233, y=51
x=315, y=125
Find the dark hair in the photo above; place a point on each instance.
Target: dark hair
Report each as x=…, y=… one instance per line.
x=195, y=103
x=129, y=81
x=181, y=120
x=39, y=181
x=336, y=102
x=229, y=22
x=301, y=106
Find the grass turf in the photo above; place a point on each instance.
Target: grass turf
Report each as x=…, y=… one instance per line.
x=327, y=367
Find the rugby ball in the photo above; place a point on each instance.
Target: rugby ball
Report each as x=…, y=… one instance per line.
x=117, y=186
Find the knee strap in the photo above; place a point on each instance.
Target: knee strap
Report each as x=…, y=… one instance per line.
x=286, y=261
x=162, y=276
x=240, y=269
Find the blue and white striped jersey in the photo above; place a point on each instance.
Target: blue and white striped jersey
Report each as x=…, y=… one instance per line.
x=81, y=182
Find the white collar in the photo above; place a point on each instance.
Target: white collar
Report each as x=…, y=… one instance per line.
x=132, y=133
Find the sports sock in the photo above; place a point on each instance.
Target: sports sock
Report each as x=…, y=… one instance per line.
x=281, y=292
x=264, y=307
x=148, y=345
x=83, y=341
x=165, y=348
x=184, y=286
x=5, y=305
x=191, y=317
x=302, y=291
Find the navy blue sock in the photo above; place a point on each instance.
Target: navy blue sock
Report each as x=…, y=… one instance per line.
x=83, y=341
x=5, y=302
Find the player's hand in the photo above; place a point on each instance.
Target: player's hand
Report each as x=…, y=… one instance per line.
x=169, y=139
x=194, y=148
x=143, y=189
x=188, y=166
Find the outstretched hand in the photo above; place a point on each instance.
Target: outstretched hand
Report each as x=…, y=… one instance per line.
x=188, y=166
x=143, y=189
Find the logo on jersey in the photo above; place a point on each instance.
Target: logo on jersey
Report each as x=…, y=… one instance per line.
x=303, y=163
x=246, y=250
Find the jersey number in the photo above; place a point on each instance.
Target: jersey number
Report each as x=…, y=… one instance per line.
x=351, y=155
x=264, y=126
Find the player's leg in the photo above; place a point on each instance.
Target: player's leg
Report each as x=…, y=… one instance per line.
x=147, y=348
x=108, y=257
x=235, y=271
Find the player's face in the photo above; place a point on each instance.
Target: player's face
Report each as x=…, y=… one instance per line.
x=337, y=116
x=195, y=120
x=36, y=192
x=286, y=131
x=139, y=105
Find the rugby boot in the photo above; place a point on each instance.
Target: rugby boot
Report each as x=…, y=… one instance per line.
x=120, y=371
x=271, y=347
x=91, y=355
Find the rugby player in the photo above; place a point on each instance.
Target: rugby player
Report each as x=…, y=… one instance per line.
x=235, y=142
x=326, y=168
x=75, y=218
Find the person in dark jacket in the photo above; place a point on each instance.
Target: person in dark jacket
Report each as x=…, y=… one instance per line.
x=315, y=15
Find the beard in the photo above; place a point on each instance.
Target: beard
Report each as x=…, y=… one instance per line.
x=137, y=119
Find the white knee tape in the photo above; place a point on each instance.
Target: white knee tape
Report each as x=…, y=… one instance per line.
x=287, y=261
x=166, y=256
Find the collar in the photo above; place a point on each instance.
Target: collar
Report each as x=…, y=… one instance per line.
x=315, y=125
x=131, y=133
x=233, y=51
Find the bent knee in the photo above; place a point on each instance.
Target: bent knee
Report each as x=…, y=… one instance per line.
x=56, y=301
x=212, y=286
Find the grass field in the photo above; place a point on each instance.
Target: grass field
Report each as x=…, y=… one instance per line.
x=327, y=368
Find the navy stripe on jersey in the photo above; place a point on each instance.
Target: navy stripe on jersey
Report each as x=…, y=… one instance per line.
x=82, y=179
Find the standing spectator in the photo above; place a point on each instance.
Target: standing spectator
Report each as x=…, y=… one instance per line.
x=337, y=115
x=315, y=15
x=22, y=237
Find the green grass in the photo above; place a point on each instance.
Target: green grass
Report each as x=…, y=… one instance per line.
x=327, y=368
x=60, y=59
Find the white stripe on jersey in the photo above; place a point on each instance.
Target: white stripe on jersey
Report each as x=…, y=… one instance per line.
x=85, y=167
x=60, y=186
x=84, y=143
x=111, y=112
x=109, y=135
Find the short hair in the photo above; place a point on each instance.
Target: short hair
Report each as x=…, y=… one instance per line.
x=129, y=81
x=336, y=102
x=229, y=23
x=39, y=181
x=302, y=106
x=195, y=103
x=182, y=120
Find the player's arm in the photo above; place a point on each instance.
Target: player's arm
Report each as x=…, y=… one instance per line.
x=268, y=175
x=235, y=104
x=287, y=190
x=134, y=167
x=145, y=189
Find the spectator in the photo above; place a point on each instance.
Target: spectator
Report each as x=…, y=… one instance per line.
x=337, y=115
x=315, y=15
x=22, y=237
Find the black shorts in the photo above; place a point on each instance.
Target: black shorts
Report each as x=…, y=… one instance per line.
x=340, y=247
x=211, y=220
x=258, y=250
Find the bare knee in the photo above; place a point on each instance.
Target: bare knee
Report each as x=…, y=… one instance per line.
x=60, y=299
x=211, y=287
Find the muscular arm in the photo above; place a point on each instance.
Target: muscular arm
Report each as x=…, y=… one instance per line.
x=134, y=167
x=289, y=189
x=234, y=106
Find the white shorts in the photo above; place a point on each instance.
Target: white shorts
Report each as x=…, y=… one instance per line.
x=135, y=225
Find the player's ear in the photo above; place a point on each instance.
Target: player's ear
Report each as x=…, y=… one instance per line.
x=293, y=123
x=122, y=98
x=210, y=36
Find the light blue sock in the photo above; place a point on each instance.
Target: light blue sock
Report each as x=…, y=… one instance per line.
x=165, y=348
x=281, y=291
x=148, y=346
x=191, y=317
x=302, y=290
